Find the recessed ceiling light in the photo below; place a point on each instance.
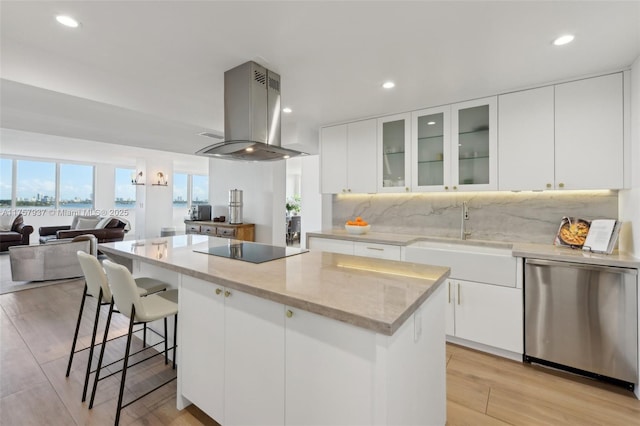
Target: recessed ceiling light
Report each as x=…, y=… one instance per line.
x=286, y=157
x=563, y=39
x=388, y=84
x=286, y=110
x=431, y=123
x=67, y=21
x=249, y=149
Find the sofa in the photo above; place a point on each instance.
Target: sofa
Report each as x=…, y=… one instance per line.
x=14, y=232
x=105, y=229
x=53, y=261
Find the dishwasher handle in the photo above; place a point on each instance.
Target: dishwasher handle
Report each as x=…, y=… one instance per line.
x=587, y=266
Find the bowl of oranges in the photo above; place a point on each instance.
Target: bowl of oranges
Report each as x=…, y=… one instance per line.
x=357, y=227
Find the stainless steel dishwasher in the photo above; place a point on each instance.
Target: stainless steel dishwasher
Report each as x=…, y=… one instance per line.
x=582, y=318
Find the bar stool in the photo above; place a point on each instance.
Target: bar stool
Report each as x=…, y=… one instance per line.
x=96, y=286
x=139, y=310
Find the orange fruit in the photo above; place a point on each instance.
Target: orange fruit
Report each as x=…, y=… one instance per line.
x=358, y=219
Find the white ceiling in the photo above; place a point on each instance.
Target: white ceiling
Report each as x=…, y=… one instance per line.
x=150, y=74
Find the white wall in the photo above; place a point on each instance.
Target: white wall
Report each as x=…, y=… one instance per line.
x=311, y=197
x=629, y=200
x=263, y=185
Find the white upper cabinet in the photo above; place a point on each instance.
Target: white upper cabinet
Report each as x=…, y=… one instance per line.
x=431, y=148
x=474, y=147
x=394, y=153
x=348, y=157
x=589, y=135
x=526, y=140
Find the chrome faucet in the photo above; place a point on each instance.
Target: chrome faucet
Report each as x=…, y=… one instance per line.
x=465, y=216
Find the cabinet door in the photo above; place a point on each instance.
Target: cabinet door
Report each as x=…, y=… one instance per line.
x=361, y=155
x=331, y=245
x=254, y=360
x=201, y=347
x=394, y=153
x=379, y=251
x=589, y=133
x=431, y=148
x=474, y=146
x=489, y=314
x=526, y=140
x=333, y=159
x=329, y=371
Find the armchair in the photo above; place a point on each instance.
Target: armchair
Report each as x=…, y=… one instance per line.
x=106, y=230
x=17, y=234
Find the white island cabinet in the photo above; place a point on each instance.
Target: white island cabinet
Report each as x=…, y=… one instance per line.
x=315, y=338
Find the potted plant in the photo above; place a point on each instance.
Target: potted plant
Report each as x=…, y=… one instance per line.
x=293, y=205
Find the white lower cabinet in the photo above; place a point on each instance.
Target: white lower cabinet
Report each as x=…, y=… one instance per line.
x=486, y=314
x=202, y=343
x=231, y=354
x=358, y=248
x=329, y=371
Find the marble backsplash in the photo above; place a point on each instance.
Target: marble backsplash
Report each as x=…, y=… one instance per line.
x=531, y=217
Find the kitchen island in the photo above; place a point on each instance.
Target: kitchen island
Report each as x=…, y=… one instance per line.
x=315, y=338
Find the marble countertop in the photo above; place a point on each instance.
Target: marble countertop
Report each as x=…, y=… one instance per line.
x=539, y=251
x=374, y=294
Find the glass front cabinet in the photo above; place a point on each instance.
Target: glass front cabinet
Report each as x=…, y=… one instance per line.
x=474, y=145
x=394, y=153
x=431, y=148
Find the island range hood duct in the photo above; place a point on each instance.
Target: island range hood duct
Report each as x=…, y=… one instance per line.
x=251, y=117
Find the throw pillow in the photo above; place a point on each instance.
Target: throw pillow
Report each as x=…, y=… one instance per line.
x=6, y=222
x=104, y=222
x=87, y=223
x=74, y=222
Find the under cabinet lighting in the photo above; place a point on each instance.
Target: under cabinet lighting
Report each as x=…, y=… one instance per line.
x=249, y=149
x=389, y=85
x=67, y=21
x=563, y=39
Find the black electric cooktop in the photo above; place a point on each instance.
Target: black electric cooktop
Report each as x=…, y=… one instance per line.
x=251, y=252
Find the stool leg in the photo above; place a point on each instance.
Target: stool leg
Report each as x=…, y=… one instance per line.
x=175, y=333
x=144, y=335
x=126, y=362
x=166, y=347
x=93, y=342
x=75, y=335
x=104, y=344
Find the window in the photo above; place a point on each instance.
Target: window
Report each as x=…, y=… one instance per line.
x=180, y=190
x=200, y=189
x=124, y=190
x=76, y=186
x=35, y=184
x=6, y=182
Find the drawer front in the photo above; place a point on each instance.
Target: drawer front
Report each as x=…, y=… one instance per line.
x=208, y=230
x=192, y=229
x=379, y=251
x=330, y=245
x=226, y=232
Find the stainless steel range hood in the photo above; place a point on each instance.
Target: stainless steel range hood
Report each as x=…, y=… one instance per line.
x=251, y=117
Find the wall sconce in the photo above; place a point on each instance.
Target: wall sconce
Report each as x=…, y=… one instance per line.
x=136, y=179
x=161, y=179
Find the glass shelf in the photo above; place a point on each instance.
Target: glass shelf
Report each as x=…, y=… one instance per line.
x=474, y=158
x=430, y=161
x=472, y=132
x=424, y=138
x=394, y=153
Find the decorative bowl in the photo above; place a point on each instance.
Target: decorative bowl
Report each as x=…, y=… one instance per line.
x=357, y=230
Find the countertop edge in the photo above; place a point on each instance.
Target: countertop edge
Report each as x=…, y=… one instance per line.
x=382, y=327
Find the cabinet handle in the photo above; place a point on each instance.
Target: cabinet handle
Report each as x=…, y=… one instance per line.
x=561, y=185
x=349, y=190
x=449, y=292
x=458, y=293
x=218, y=291
x=227, y=293
x=446, y=188
x=344, y=190
x=375, y=248
x=406, y=188
x=289, y=313
x=455, y=187
x=549, y=185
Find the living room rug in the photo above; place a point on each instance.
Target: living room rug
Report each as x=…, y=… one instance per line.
x=7, y=285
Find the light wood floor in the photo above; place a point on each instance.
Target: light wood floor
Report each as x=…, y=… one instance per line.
x=36, y=329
